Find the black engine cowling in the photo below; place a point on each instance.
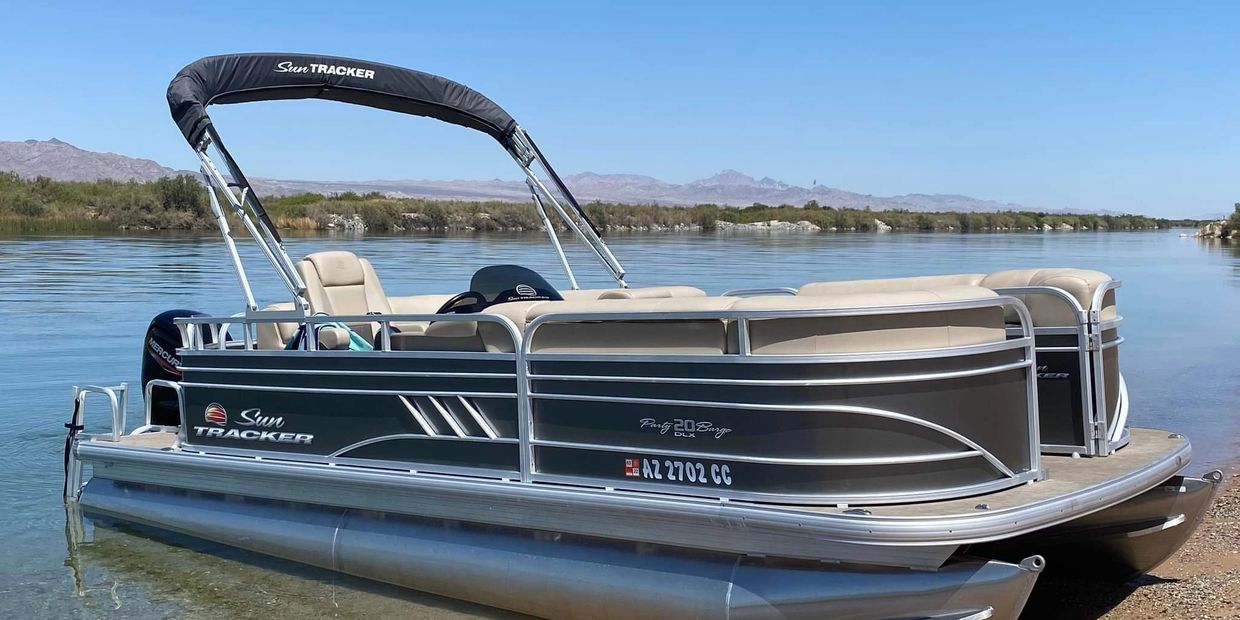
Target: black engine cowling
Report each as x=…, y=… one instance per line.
x=160, y=361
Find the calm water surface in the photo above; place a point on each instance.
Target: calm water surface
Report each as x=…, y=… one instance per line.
x=73, y=310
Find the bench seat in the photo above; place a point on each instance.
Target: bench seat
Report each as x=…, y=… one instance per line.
x=897, y=331
x=886, y=332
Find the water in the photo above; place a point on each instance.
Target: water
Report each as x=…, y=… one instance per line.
x=73, y=310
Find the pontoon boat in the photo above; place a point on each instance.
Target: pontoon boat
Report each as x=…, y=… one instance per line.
x=904, y=448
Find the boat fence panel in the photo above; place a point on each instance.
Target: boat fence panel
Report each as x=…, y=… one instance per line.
x=866, y=427
x=861, y=432
x=454, y=412
x=1079, y=382
x=869, y=427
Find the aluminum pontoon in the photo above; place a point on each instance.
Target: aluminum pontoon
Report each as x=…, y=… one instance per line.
x=902, y=448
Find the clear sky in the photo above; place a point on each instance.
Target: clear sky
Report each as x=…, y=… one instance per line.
x=1126, y=106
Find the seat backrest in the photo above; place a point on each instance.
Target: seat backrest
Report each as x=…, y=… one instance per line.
x=273, y=336
x=1049, y=310
x=681, y=336
x=649, y=292
x=889, y=285
x=874, y=333
x=340, y=283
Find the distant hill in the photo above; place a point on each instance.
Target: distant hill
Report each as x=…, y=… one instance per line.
x=729, y=187
x=63, y=161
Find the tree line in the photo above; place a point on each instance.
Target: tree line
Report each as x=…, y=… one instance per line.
x=180, y=203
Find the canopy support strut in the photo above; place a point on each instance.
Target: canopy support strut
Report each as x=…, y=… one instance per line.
x=551, y=234
x=271, y=248
x=222, y=222
x=528, y=154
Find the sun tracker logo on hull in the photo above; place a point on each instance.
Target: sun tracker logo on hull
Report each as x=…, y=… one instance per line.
x=215, y=414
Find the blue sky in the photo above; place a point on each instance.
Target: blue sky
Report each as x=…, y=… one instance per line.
x=1125, y=106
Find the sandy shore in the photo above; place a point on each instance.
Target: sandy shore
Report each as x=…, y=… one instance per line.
x=1201, y=581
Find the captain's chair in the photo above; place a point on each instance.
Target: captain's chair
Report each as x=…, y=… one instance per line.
x=340, y=283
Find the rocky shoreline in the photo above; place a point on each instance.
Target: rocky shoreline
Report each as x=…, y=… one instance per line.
x=418, y=222
x=1228, y=228
x=1221, y=229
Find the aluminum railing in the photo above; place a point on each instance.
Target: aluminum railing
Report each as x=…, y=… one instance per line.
x=1101, y=436
x=195, y=330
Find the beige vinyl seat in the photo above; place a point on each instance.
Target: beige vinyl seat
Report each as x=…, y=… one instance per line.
x=890, y=285
x=489, y=336
x=893, y=331
x=1052, y=311
x=680, y=336
x=1046, y=310
x=648, y=292
x=339, y=283
x=273, y=336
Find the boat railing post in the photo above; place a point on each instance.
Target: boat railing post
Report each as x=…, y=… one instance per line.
x=147, y=400
x=1028, y=333
x=742, y=336
x=118, y=416
x=525, y=405
x=311, y=333
x=118, y=399
x=1102, y=428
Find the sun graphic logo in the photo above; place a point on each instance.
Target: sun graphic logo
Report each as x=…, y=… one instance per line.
x=526, y=290
x=215, y=414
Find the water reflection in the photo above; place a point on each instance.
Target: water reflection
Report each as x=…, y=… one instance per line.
x=1228, y=249
x=131, y=571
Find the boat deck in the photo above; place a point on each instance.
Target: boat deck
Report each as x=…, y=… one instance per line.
x=157, y=441
x=1064, y=475
x=921, y=534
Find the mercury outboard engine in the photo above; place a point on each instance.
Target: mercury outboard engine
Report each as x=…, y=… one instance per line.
x=160, y=361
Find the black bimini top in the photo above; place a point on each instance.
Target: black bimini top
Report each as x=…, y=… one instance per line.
x=239, y=78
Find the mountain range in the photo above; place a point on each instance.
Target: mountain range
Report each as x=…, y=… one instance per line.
x=63, y=161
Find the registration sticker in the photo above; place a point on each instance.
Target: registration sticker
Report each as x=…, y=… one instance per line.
x=675, y=470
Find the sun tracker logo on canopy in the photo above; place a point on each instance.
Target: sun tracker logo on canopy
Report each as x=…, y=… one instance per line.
x=315, y=68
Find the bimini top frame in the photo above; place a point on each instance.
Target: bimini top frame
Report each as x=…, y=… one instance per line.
x=239, y=78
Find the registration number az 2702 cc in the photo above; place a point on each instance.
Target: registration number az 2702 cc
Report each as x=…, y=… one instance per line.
x=675, y=470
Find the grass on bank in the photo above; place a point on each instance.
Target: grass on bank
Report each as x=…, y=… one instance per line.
x=180, y=203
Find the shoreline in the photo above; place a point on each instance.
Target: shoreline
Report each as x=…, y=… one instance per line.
x=17, y=227
x=1202, y=580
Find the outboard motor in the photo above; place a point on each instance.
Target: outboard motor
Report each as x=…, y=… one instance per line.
x=160, y=361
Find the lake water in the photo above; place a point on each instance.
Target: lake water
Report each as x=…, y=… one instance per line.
x=73, y=310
